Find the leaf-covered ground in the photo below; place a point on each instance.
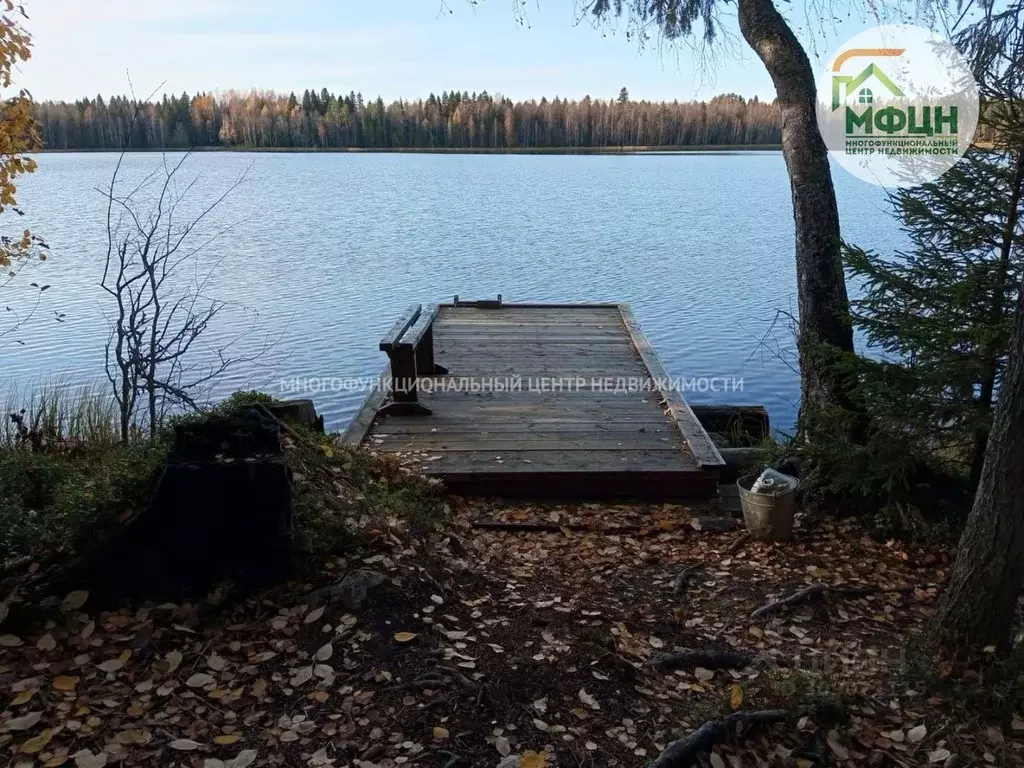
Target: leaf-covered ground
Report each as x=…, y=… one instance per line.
x=498, y=648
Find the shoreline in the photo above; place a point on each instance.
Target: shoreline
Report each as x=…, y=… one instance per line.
x=638, y=150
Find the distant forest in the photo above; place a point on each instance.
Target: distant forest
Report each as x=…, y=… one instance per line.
x=452, y=120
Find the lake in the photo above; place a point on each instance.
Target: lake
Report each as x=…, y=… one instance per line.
x=321, y=252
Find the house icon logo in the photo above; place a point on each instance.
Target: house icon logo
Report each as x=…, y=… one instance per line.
x=860, y=86
x=897, y=105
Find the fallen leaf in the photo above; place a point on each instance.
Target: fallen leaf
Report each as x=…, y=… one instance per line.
x=703, y=674
x=301, y=677
x=656, y=642
x=65, y=683
x=533, y=760
x=46, y=642
x=736, y=697
x=133, y=737
x=314, y=615
x=504, y=748
x=198, y=680
x=587, y=699
x=37, y=743
x=916, y=734
x=717, y=761
x=23, y=696
x=325, y=652
x=24, y=722
x=938, y=755
x=244, y=759
x=541, y=705
x=173, y=661
x=10, y=641
x=74, y=600
x=185, y=745
x=440, y=734
x=840, y=751
x=216, y=663
x=89, y=760
x=540, y=725
x=404, y=637
x=111, y=665
x=227, y=738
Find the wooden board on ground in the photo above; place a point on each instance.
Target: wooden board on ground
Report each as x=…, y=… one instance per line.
x=548, y=400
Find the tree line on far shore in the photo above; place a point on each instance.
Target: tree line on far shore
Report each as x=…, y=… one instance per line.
x=452, y=120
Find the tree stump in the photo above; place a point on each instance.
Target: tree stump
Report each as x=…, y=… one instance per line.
x=222, y=510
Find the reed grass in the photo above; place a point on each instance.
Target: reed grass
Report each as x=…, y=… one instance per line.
x=59, y=410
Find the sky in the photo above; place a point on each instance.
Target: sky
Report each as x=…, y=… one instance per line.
x=392, y=48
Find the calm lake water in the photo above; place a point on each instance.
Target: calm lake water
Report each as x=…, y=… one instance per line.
x=325, y=250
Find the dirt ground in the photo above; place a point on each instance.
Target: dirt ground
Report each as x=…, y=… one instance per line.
x=489, y=647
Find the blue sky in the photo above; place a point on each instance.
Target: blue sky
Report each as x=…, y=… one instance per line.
x=394, y=48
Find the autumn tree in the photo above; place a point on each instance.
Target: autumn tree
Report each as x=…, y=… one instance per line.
x=18, y=137
x=824, y=323
x=267, y=119
x=980, y=607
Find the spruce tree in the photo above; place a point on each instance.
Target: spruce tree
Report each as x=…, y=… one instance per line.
x=939, y=315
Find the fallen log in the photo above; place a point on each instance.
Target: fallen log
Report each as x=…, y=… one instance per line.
x=682, y=753
x=690, y=659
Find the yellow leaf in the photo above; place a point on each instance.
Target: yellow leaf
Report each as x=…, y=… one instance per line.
x=133, y=737
x=37, y=743
x=328, y=451
x=736, y=697
x=404, y=637
x=65, y=683
x=533, y=760
x=227, y=738
x=24, y=696
x=440, y=733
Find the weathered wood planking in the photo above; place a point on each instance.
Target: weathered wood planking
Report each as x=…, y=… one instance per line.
x=586, y=439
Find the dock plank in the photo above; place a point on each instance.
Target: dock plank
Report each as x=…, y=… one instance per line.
x=586, y=436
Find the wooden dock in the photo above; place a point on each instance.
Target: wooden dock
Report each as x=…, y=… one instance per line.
x=542, y=400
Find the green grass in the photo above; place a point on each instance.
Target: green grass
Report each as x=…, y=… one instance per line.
x=72, y=483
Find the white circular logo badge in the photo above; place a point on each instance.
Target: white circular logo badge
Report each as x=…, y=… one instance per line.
x=897, y=105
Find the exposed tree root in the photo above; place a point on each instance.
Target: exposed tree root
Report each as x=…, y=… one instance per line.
x=682, y=581
x=800, y=596
x=712, y=659
x=682, y=753
x=818, y=590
